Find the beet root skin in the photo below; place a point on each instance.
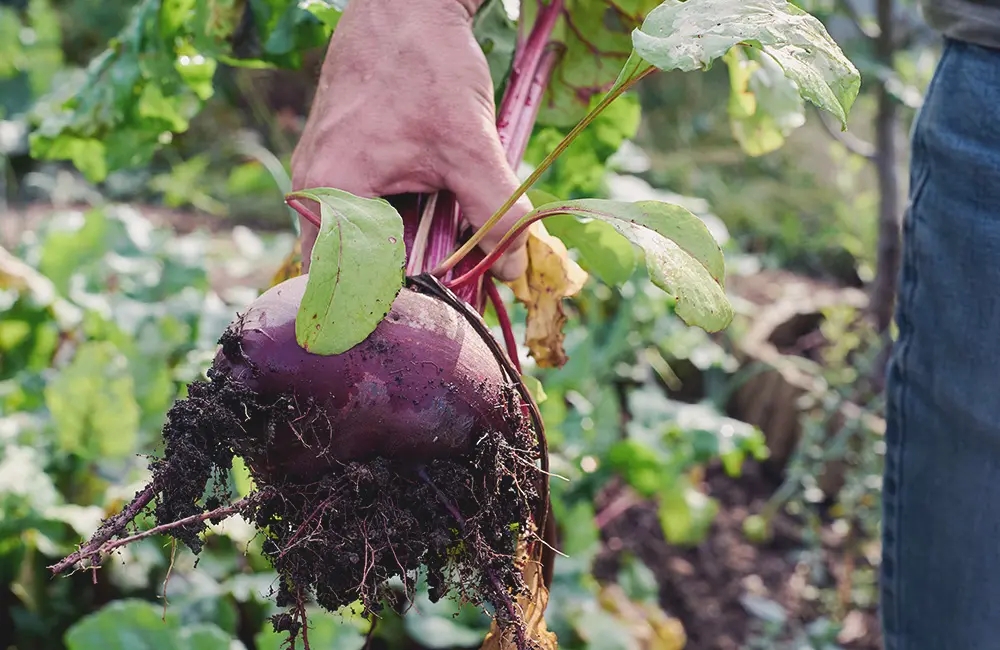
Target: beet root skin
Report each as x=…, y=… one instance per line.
x=415, y=451
x=419, y=387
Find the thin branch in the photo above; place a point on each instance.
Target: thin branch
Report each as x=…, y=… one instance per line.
x=851, y=142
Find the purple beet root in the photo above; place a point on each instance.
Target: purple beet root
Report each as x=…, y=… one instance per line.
x=419, y=387
x=416, y=450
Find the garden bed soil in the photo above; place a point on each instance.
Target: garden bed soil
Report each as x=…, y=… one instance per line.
x=704, y=586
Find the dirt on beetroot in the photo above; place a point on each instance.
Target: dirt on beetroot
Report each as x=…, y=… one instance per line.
x=341, y=539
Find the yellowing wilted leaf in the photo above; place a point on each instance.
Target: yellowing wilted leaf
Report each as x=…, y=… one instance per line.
x=291, y=266
x=532, y=609
x=645, y=623
x=551, y=276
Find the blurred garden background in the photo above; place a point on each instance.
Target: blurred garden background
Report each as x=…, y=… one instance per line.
x=724, y=490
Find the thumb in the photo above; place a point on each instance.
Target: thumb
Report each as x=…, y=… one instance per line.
x=482, y=185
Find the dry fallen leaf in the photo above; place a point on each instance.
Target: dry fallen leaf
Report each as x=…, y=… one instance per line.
x=646, y=623
x=532, y=608
x=551, y=276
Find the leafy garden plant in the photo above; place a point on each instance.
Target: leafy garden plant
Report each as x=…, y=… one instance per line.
x=385, y=429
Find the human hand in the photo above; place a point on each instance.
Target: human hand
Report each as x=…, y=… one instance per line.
x=405, y=104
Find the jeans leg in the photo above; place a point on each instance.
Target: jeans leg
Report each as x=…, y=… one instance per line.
x=941, y=529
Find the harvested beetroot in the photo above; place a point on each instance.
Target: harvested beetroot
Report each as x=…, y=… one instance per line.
x=420, y=387
x=416, y=449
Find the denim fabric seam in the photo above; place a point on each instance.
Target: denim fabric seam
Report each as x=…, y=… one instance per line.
x=909, y=282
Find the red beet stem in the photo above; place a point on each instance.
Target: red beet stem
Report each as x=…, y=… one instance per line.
x=504, y=318
x=522, y=128
x=306, y=213
x=531, y=70
x=515, y=107
x=481, y=268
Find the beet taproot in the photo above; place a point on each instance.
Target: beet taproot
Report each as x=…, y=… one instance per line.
x=419, y=449
x=420, y=387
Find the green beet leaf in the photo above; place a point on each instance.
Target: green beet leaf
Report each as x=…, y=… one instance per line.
x=602, y=250
x=594, y=36
x=682, y=256
x=124, y=625
x=691, y=35
x=355, y=272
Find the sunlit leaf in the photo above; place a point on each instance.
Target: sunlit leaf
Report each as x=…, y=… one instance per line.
x=691, y=35
x=355, y=272
x=92, y=402
x=645, y=467
x=764, y=104
x=551, y=276
x=603, y=251
x=535, y=388
x=581, y=170
x=597, y=38
x=124, y=625
x=682, y=256
x=685, y=513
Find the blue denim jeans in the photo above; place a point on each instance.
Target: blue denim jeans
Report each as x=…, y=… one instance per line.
x=941, y=529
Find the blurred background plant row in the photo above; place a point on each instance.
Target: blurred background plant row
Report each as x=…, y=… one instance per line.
x=723, y=491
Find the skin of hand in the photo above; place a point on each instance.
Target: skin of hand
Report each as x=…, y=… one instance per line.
x=405, y=104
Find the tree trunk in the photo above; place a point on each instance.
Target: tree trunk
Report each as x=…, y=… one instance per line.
x=887, y=265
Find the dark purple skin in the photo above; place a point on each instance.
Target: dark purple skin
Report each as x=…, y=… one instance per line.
x=420, y=387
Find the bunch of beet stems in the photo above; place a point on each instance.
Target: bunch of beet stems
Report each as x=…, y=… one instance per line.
x=432, y=231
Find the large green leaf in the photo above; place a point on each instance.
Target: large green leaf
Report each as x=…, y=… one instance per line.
x=596, y=37
x=140, y=625
x=682, y=256
x=356, y=271
x=124, y=625
x=602, y=250
x=497, y=36
x=92, y=402
x=691, y=35
x=156, y=74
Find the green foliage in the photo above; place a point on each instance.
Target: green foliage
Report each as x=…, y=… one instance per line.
x=682, y=256
x=764, y=104
x=355, y=273
x=96, y=347
x=579, y=172
x=138, y=625
x=689, y=36
x=30, y=54
x=596, y=35
x=158, y=72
